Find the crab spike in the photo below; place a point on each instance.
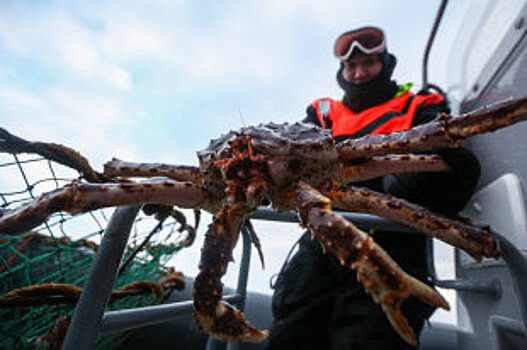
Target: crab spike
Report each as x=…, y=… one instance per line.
x=381, y=277
x=447, y=132
x=474, y=240
x=392, y=164
x=117, y=167
x=78, y=197
x=400, y=323
x=213, y=315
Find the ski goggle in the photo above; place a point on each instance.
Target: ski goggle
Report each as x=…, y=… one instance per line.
x=369, y=40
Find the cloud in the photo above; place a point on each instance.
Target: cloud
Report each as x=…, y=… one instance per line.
x=243, y=41
x=93, y=124
x=58, y=42
x=14, y=99
x=322, y=14
x=67, y=42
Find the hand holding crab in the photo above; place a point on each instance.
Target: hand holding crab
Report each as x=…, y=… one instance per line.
x=298, y=168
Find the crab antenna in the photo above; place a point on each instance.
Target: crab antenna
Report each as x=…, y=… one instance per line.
x=241, y=118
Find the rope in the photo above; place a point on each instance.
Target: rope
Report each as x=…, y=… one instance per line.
x=58, y=293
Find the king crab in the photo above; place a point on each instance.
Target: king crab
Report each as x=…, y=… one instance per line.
x=296, y=167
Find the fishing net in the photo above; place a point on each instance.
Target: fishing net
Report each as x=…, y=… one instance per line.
x=42, y=271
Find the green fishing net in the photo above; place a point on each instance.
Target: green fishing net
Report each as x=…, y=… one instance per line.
x=62, y=251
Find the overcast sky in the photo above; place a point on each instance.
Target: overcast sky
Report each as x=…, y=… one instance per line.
x=155, y=81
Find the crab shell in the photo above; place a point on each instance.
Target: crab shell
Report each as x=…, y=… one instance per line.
x=279, y=154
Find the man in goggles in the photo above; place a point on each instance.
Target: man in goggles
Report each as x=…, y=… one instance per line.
x=319, y=304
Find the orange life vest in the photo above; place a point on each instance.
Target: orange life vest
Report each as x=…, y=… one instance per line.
x=396, y=114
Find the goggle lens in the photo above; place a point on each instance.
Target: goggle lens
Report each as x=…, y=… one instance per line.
x=369, y=40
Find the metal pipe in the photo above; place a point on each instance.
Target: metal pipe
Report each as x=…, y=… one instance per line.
x=431, y=38
x=243, y=274
x=122, y=320
x=491, y=289
x=364, y=221
x=86, y=322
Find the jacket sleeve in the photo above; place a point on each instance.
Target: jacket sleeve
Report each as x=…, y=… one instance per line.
x=429, y=112
x=311, y=116
x=445, y=193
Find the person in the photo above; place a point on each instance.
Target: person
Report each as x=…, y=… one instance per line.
x=318, y=303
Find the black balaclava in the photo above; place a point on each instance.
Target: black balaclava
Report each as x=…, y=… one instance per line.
x=380, y=89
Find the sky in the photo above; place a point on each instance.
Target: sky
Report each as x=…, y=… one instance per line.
x=155, y=81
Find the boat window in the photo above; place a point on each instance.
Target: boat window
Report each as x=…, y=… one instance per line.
x=483, y=28
x=513, y=83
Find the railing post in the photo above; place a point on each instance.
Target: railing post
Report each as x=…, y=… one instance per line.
x=86, y=322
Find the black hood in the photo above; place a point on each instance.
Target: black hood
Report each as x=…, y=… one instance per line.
x=359, y=97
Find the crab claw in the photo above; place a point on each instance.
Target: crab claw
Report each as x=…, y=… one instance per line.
x=382, y=278
x=390, y=286
x=228, y=324
x=213, y=315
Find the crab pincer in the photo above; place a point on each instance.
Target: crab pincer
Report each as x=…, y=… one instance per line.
x=382, y=278
x=215, y=316
x=389, y=286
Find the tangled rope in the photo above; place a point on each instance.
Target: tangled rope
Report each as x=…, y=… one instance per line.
x=56, y=293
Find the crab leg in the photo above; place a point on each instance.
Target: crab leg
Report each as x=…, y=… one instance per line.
x=474, y=240
x=448, y=132
x=382, y=278
x=117, y=167
x=77, y=197
x=392, y=164
x=215, y=316
x=10, y=143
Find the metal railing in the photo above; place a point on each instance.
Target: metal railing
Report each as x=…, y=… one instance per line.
x=90, y=320
x=85, y=325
